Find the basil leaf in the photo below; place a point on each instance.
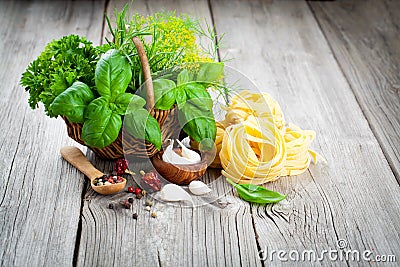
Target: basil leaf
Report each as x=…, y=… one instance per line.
x=202, y=130
x=124, y=100
x=210, y=72
x=164, y=94
x=195, y=113
x=183, y=77
x=101, y=131
x=72, y=102
x=180, y=95
x=141, y=125
x=195, y=108
x=256, y=194
x=97, y=108
x=113, y=74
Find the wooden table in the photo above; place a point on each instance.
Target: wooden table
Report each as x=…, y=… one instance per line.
x=333, y=66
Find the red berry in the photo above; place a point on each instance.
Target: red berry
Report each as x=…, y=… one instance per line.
x=131, y=189
x=120, y=166
x=138, y=191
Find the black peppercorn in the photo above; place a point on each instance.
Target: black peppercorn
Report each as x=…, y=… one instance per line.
x=111, y=206
x=135, y=216
x=130, y=200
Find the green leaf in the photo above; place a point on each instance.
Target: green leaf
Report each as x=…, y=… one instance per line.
x=72, y=102
x=63, y=61
x=210, y=72
x=113, y=74
x=102, y=131
x=196, y=108
x=98, y=108
x=164, y=93
x=195, y=114
x=180, y=95
x=141, y=125
x=202, y=130
x=124, y=100
x=136, y=103
x=183, y=77
x=256, y=194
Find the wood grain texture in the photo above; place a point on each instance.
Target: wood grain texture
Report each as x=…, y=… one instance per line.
x=355, y=197
x=364, y=38
x=179, y=236
x=40, y=194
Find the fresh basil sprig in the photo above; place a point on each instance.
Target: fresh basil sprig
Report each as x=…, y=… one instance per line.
x=256, y=194
x=102, y=116
x=193, y=101
x=72, y=102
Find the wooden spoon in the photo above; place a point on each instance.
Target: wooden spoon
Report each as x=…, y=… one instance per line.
x=75, y=156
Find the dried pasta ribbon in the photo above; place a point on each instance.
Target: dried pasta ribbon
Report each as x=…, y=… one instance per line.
x=253, y=144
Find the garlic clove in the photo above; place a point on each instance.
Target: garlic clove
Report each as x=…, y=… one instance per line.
x=170, y=156
x=173, y=193
x=199, y=188
x=189, y=154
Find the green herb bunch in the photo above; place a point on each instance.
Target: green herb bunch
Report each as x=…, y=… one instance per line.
x=62, y=62
x=95, y=86
x=169, y=41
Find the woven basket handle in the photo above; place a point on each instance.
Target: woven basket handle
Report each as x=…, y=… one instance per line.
x=146, y=72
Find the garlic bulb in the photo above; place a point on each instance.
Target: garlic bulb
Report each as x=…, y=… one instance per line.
x=198, y=188
x=173, y=192
x=188, y=156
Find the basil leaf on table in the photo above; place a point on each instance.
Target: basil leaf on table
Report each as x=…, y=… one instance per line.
x=141, y=125
x=103, y=130
x=72, y=102
x=113, y=74
x=256, y=194
x=210, y=72
x=164, y=94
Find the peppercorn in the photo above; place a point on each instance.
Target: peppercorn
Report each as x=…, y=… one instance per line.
x=127, y=205
x=149, y=203
x=135, y=216
x=138, y=191
x=144, y=192
x=111, y=206
x=147, y=208
x=131, y=189
x=139, y=196
x=154, y=214
x=130, y=200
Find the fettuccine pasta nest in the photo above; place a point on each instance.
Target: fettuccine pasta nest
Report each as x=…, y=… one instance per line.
x=255, y=146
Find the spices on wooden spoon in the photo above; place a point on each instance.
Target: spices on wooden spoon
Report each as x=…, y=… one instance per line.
x=75, y=156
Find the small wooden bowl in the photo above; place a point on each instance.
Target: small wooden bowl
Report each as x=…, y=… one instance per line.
x=178, y=173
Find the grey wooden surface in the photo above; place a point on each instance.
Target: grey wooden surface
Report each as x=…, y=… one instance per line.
x=333, y=67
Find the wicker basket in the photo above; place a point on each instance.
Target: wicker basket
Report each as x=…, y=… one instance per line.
x=128, y=145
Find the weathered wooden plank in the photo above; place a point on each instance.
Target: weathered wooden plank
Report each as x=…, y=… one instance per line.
x=179, y=236
x=39, y=205
x=356, y=197
x=364, y=37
